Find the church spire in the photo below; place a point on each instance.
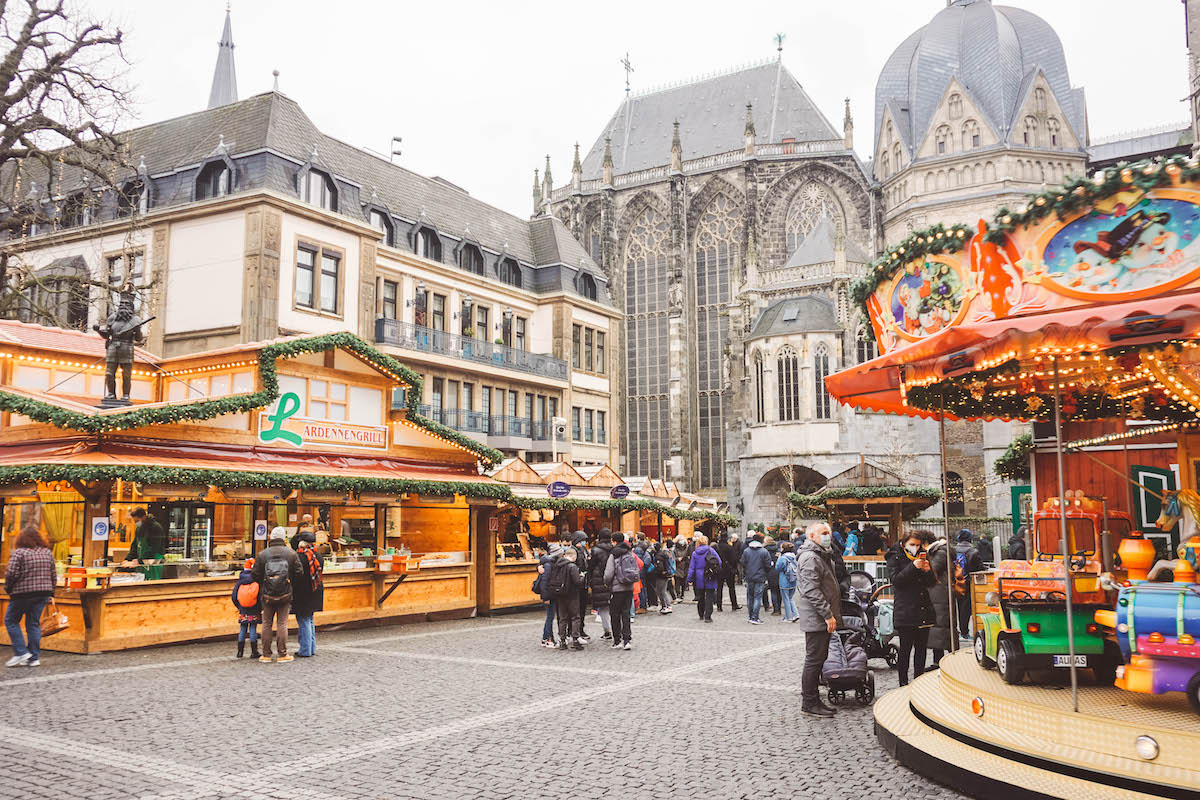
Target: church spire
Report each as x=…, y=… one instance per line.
x=577, y=171
x=547, y=183
x=848, y=127
x=607, y=166
x=537, y=194
x=676, y=150
x=224, y=82
x=750, y=133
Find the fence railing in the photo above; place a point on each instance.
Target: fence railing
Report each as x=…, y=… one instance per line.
x=983, y=532
x=467, y=348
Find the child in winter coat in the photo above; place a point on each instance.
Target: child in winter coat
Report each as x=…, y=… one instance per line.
x=249, y=607
x=785, y=565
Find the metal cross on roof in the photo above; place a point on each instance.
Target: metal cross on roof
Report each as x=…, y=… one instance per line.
x=779, y=37
x=628, y=69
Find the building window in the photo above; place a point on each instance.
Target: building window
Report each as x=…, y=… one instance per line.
x=760, y=390
x=956, y=105
x=589, y=425
x=970, y=134
x=319, y=190
x=331, y=266
x=1030, y=133
x=390, y=293
x=787, y=368
x=576, y=339
x=820, y=373
x=468, y=397
x=593, y=240
x=485, y=407
x=587, y=286
x=382, y=221
x=512, y=402
x=942, y=138
x=437, y=401
x=601, y=355
x=588, y=353
x=812, y=202
x=542, y=407
x=884, y=165
x=75, y=211
x=576, y=427
x=519, y=333
x=718, y=255
x=1054, y=128
x=956, y=501
x=122, y=269
x=601, y=432
x=866, y=348
x=646, y=343
x=214, y=180
x=470, y=258
x=133, y=197
x=426, y=244
x=553, y=407
x=439, y=312
x=326, y=400
x=509, y=272
x=306, y=260
x=481, y=322
x=529, y=410
x=896, y=157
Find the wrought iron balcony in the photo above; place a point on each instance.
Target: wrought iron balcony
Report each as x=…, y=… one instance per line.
x=427, y=340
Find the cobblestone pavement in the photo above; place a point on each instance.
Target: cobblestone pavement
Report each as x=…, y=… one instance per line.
x=463, y=709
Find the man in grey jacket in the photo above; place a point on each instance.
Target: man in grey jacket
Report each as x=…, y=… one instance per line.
x=818, y=604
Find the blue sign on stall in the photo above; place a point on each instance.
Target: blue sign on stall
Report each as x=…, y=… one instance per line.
x=558, y=489
x=619, y=492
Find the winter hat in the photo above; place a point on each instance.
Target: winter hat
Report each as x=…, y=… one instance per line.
x=579, y=536
x=249, y=564
x=964, y=535
x=308, y=536
x=556, y=549
x=278, y=534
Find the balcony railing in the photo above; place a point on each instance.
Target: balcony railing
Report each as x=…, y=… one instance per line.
x=428, y=340
x=542, y=429
x=478, y=422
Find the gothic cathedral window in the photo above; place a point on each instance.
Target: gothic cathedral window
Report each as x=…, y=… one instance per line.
x=810, y=203
x=824, y=405
x=647, y=343
x=787, y=372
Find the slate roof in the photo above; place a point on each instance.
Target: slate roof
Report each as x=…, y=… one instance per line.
x=272, y=121
x=992, y=50
x=1141, y=145
x=807, y=315
x=819, y=247
x=712, y=119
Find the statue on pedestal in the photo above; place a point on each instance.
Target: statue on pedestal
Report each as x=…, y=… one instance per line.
x=121, y=331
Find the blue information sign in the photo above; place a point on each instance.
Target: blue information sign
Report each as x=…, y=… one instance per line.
x=558, y=489
x=619, y=492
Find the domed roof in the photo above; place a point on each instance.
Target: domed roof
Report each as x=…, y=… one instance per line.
x=994, y=51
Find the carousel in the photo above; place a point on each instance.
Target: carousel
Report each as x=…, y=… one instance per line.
x=1078, y=312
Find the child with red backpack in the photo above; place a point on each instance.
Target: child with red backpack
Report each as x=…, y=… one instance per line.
x=249, y=608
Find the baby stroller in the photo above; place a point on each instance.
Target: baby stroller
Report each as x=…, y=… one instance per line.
x=865, y=601
x=845, y=668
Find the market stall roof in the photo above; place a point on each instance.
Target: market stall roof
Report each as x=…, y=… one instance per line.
x=84, y=345
x=186, y=462
x=558, y=471
x=876, y=384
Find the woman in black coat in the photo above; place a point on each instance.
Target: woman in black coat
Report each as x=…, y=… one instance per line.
x=912, y=611
x=939, y=634
x=308, y=594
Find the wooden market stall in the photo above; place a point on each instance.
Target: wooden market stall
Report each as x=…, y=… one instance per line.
x=219, y=447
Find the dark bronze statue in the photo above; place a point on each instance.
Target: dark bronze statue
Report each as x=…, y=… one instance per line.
x=122, y=331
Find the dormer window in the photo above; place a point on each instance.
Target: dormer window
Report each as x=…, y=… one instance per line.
x=587, y=286
x=509, y=272
x=133, y=197
x=319, y=190
x=956, y=106
x=75, y=211
x=381, y=220
x=426, y=243
x=470, y=258
x=215, y=180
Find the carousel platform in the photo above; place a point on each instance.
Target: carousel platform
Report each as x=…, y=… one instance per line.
x=1028, y=743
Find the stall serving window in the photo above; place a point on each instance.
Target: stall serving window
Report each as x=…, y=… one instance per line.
x=58, y=516
x=436, y=533
x=524, y=536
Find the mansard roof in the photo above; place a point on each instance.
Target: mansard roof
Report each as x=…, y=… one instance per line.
x=808, y=314
x=712, y=118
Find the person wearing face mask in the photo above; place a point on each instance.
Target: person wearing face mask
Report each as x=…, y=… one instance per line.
x=913, y=613
x=818, y=607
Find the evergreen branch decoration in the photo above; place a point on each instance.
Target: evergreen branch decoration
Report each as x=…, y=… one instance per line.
x=136, y=417
x=817, y=501
x=628, y=504
x=1013, y=464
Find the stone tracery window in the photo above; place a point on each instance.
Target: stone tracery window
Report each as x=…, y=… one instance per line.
x=1054, y=129
x=956, y=106
x=970, y=135
x=646, y=343
x=824, y=404
x=942, y=138
x=787, y=376
x=718, y=251
x=812, y=202
x=760, y=389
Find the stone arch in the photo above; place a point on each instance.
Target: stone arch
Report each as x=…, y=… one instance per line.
x=708, y=192
x=989, y=172
x=770, y=501
x=633, y=209
x=850, y=190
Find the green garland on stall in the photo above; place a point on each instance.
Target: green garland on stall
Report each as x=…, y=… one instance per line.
x=816, y=501
x=1075, y=195
x=571, y=504
x=1013, y=464
x=233, y=479
x=136, y=417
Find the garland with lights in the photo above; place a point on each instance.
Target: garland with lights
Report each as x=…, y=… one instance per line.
x=136, y=417
x=1072, y=197
x=1013, y=464
x=629, y=504
x=816, y=502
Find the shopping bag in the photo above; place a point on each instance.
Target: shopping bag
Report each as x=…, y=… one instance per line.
x=53, y=620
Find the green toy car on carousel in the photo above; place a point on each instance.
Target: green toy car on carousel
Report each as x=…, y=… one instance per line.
x=1024, y=625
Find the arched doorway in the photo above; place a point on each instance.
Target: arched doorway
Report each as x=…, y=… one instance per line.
x=770, y=502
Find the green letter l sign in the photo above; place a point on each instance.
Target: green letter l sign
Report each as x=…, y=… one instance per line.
x=289, y=404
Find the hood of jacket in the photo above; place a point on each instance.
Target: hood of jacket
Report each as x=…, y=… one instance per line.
x=755, y=543
x=702, y=549
x=620, y=549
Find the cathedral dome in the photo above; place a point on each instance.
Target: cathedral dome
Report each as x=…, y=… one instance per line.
x=995, y=52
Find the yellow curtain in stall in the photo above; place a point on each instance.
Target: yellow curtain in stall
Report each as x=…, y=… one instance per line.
x=60, y=518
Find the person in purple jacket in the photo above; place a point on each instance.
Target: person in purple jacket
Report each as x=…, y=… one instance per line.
x=704, y=573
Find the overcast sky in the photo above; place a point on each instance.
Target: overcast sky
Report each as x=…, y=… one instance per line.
x=481, y=91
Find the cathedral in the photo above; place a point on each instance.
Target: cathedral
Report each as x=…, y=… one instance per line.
x=731, y=217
